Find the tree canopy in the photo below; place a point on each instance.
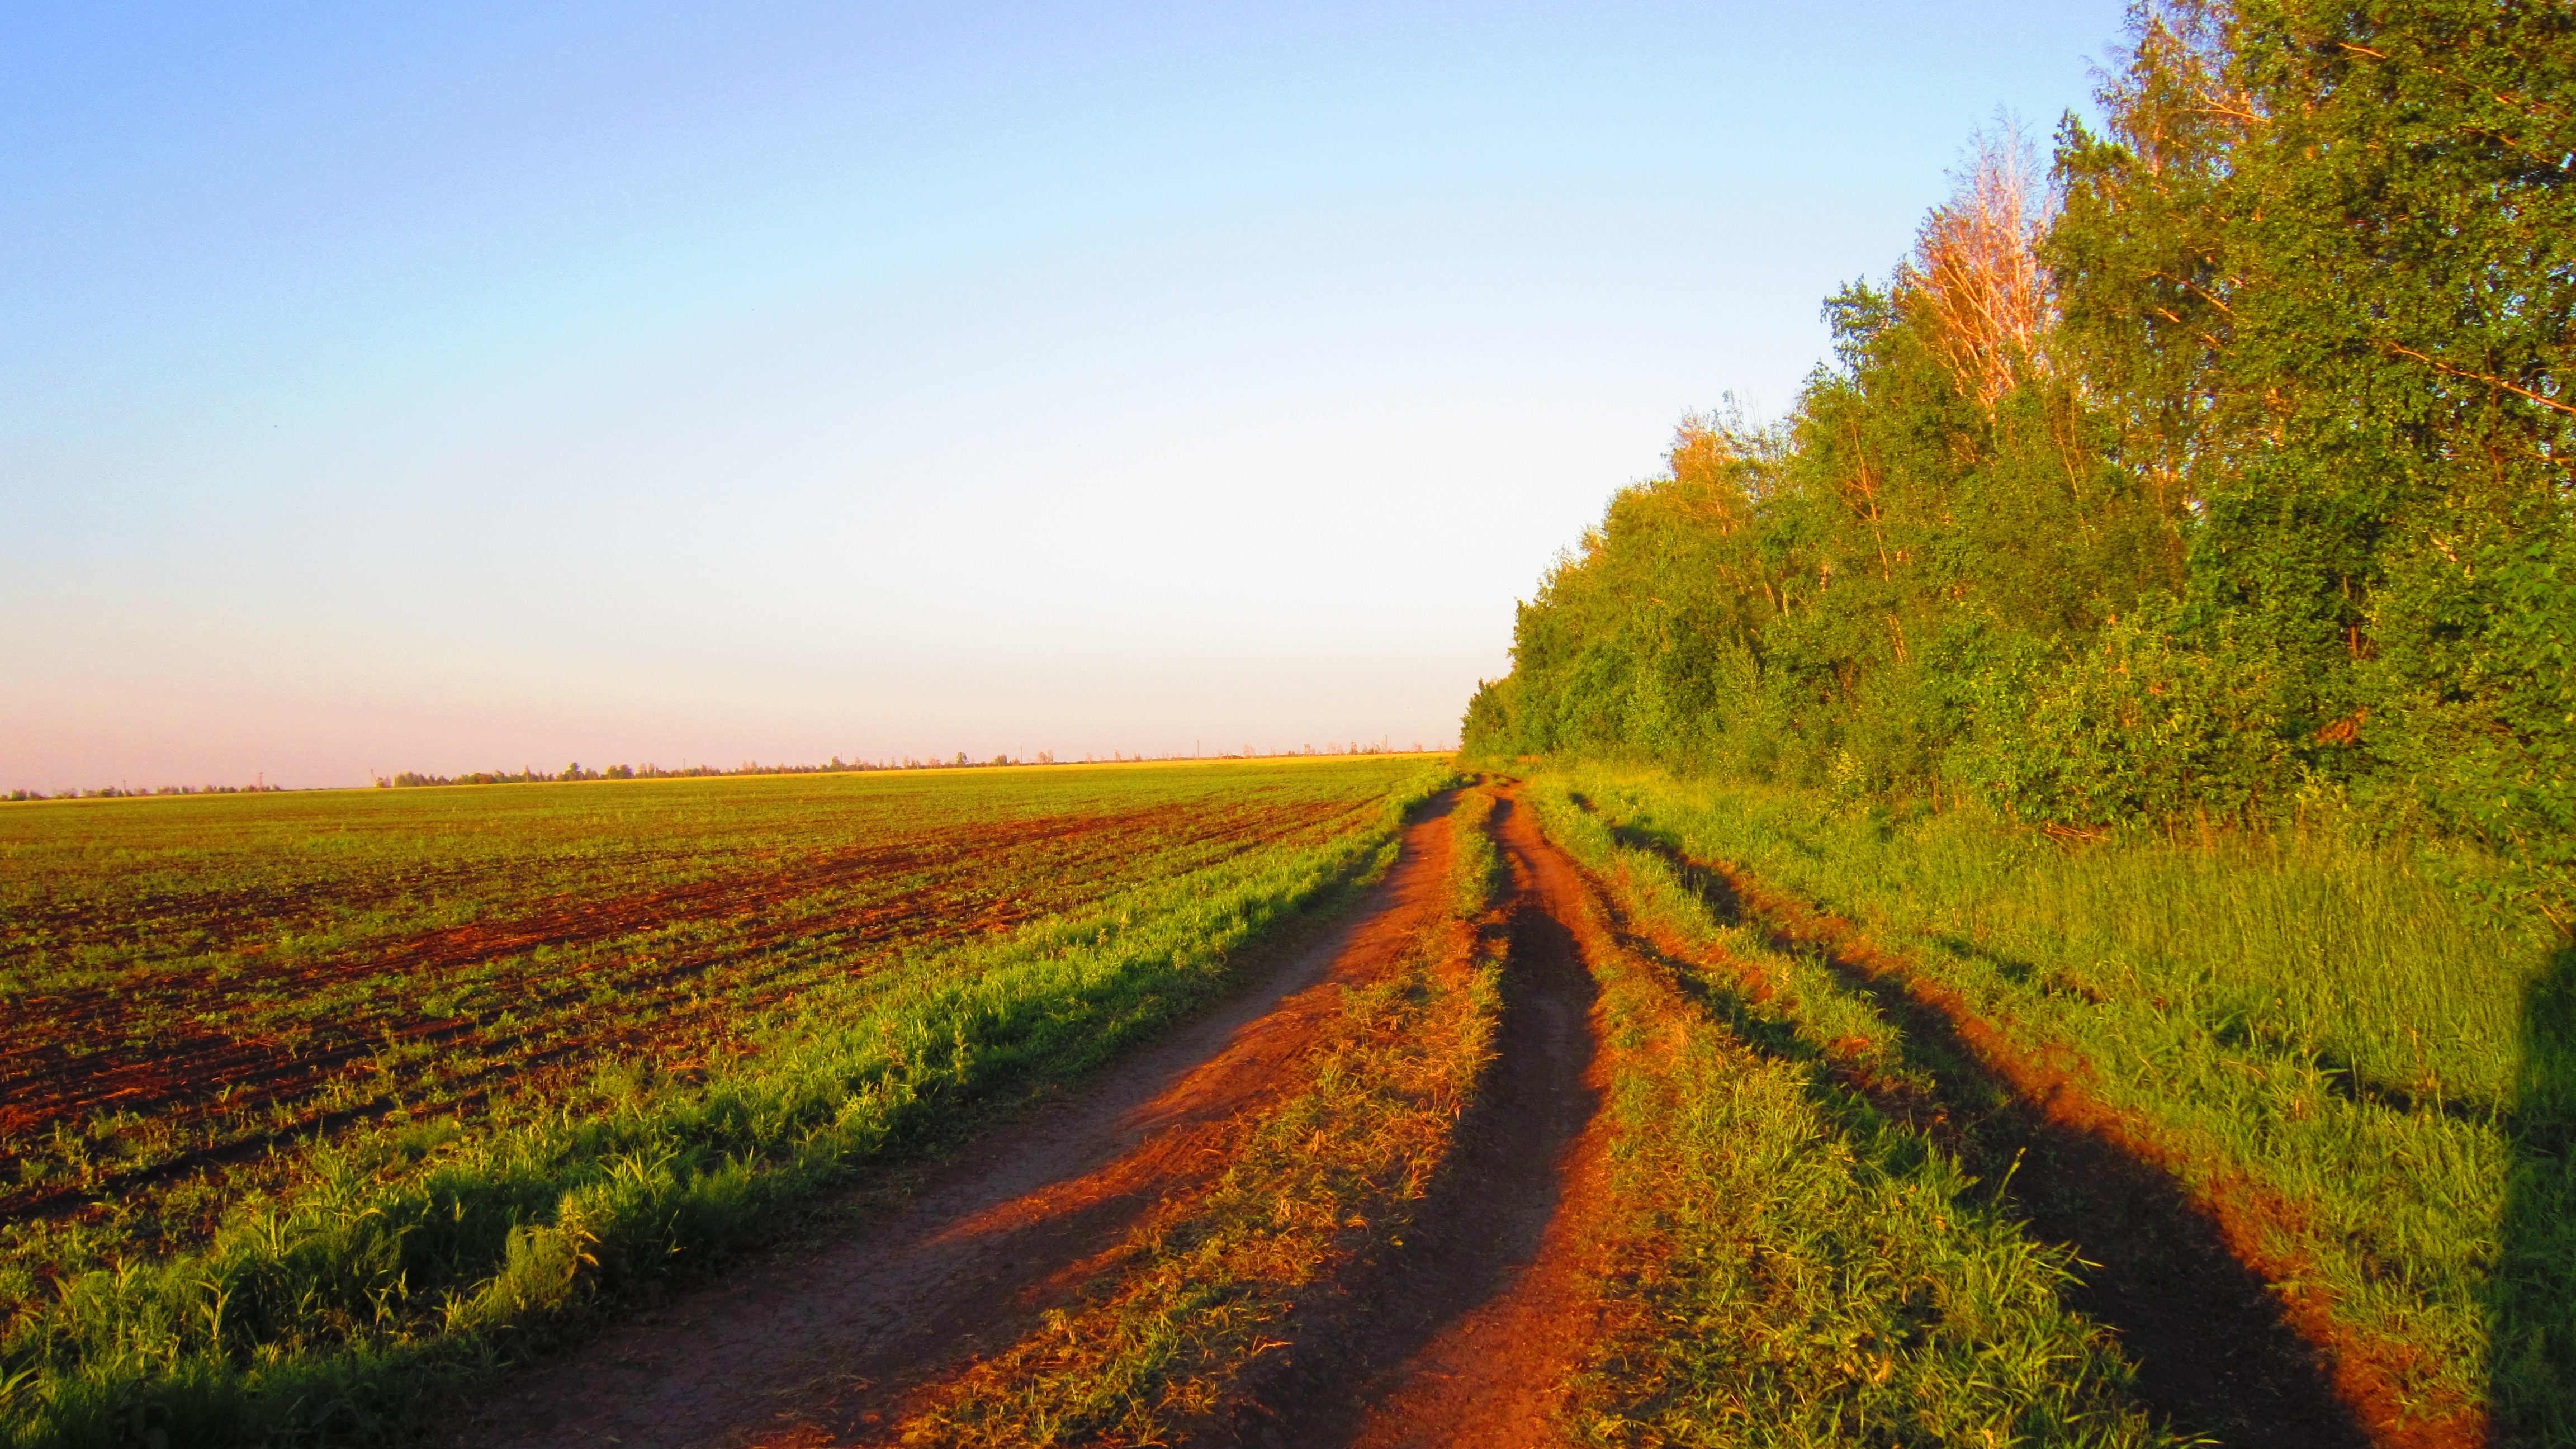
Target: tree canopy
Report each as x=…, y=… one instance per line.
x=2218, y=467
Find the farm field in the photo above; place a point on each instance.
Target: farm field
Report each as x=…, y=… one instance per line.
x=1336, y=1102
x=289, y=1077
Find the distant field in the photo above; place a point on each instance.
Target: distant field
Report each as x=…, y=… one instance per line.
x=217, y=1002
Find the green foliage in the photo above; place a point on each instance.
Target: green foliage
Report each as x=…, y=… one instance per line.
x=1477, y=875
x=2477, y=682
x=2272, y=502
x=2134, y=727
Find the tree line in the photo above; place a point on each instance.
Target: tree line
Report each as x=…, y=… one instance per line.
x=121, y=792
x=2218, y=469
x=576, y=771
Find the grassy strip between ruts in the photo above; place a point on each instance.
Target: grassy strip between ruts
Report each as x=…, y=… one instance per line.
x=2305, y=1021
x=1161, y=1345
x=400, y=1272
x=1791, y=1266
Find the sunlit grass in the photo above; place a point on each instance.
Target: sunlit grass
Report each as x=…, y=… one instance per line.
x=2322, y=1014
x=1796, y=1268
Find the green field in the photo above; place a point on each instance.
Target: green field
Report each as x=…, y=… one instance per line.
x=317, y=1099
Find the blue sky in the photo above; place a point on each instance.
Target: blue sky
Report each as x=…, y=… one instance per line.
x=484, y=386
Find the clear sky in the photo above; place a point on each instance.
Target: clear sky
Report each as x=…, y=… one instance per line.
x=481, y=386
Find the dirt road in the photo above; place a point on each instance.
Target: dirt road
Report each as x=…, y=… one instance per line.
x=808, y=1346
x=1464, y=1338
x=1470, y=1337
x=1466, y=1329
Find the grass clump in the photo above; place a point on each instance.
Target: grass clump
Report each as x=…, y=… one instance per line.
x=1477, y=876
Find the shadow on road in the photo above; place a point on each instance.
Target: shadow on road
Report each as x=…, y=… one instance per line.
x=1484, y=1217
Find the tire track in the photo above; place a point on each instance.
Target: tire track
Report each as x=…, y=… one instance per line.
x=1470, y=1334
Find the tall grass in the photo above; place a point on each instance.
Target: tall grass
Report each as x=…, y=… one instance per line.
x=2352, y=947
x=401, y=1267
x=2323, y=1015
x=1798, y=1269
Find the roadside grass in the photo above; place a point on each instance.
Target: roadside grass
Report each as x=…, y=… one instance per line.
x=1168, y=1330
x=403, y=1263
x=1794, y=1266
x=2320, y=1017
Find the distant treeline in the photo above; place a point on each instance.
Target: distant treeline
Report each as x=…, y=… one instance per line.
x=577, y=771
x=118, y=792
x=2221, y=470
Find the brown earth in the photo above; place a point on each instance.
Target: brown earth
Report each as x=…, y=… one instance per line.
x=825, y=1345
